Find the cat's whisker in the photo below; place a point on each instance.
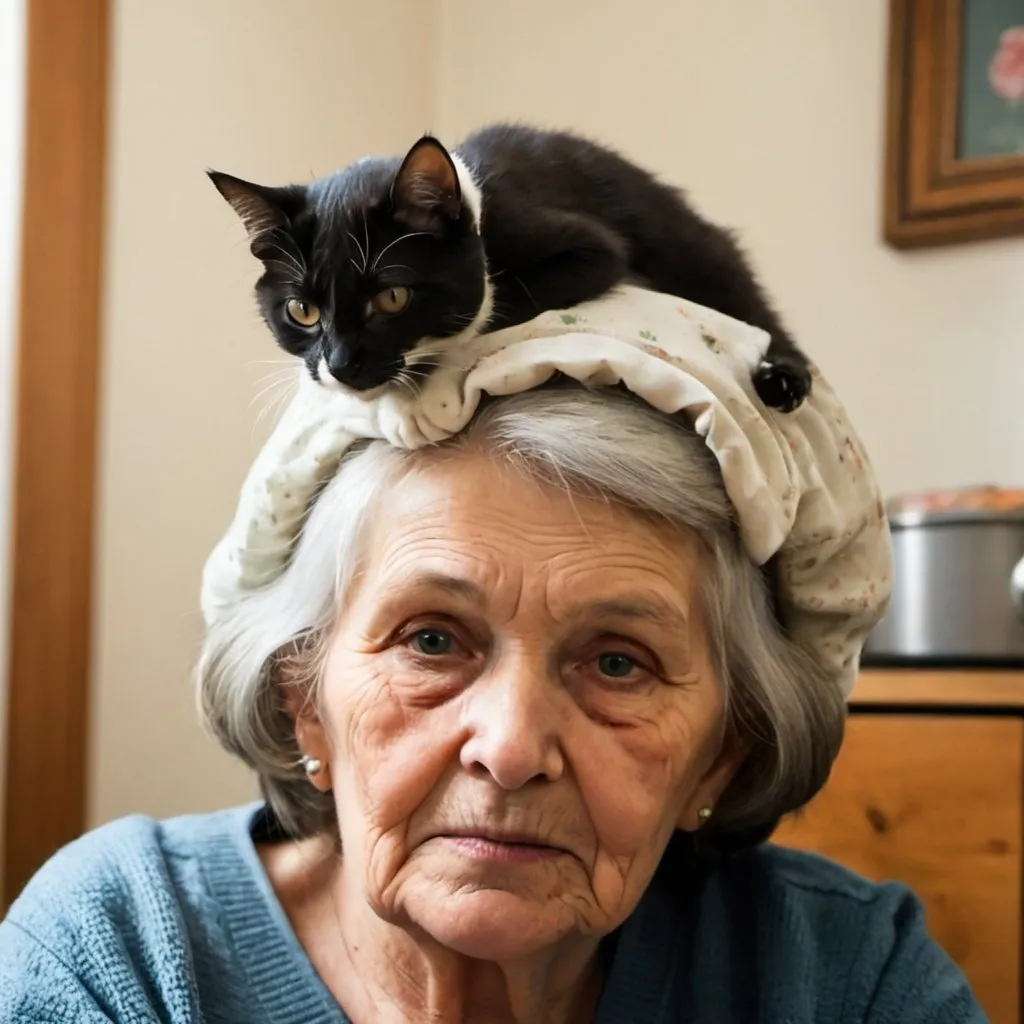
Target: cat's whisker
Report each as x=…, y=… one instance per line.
x=265, y=409
x=277, y=383
x=463, y=319
x=406, y=380
x=393, y=266
x=290, y=269
x=529, y=294
x=420, y=355
x=366, y=236
x=401, y=238
x=438, y=347
x=286, y=270
x=278, y=394
x=362, y=252
x=281, y=367
x=422, y=368
x=289, y=254
x=283, y=398
x=281, y=372
x=463, y=365
x=270, y=413
x=274, y=377
x=290, y=261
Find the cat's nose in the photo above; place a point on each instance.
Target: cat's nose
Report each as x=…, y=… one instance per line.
x=346, y=362
x=359, y=368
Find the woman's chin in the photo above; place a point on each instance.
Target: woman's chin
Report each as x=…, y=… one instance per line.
x=493, y=924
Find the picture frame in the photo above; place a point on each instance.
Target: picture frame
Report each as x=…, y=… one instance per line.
x=954, y=167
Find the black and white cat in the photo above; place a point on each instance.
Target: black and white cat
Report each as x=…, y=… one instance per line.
x=371, y=272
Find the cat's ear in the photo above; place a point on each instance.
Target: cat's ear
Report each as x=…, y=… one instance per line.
x=426, y=193
x=261, y=208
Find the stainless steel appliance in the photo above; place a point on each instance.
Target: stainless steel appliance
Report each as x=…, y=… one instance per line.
x=958, y=595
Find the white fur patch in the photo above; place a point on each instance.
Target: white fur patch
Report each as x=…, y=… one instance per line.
x=327, y=379
x=471, y=194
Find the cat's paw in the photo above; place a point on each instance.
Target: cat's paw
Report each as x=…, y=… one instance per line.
x=782, y=384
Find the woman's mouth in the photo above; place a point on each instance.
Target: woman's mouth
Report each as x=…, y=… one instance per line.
x=520, y=850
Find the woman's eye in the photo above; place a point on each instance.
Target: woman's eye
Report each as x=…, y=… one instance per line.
x=390, y=301
x=433, y=642
x=304, y=313
x=616, y=665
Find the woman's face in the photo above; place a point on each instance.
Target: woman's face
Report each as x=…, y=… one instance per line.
x=517, y=709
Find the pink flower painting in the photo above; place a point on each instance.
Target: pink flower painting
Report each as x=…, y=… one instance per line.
x=1006, y=79
x=1006, y=69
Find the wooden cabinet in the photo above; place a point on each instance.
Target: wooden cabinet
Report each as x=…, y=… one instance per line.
x=929, y=790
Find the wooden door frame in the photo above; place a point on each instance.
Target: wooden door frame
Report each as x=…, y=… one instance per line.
x=56, y=403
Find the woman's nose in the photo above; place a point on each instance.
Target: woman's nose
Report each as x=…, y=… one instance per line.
x=514, y=713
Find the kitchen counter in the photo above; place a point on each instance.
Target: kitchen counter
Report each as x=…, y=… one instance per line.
x=929, y=790
x=979, y=688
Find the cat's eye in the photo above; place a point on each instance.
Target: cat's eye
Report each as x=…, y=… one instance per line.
x=304, y=313
x=389, y=301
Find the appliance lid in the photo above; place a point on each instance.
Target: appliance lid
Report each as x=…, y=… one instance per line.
x=969, y=505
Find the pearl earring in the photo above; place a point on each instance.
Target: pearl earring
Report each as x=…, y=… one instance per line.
x=704, y=815
x=311, y=765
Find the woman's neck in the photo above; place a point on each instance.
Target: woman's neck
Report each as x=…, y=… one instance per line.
x=384, y=973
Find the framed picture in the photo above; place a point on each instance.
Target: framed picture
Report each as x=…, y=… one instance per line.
x=955, y=126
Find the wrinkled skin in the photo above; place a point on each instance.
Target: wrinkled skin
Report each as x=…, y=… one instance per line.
x=512, y=663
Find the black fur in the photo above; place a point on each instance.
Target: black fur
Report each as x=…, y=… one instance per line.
x=563, y=221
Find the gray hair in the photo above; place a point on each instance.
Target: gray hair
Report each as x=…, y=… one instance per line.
x=780, y=701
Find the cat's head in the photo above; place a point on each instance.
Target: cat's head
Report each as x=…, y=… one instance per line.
x=367, y=271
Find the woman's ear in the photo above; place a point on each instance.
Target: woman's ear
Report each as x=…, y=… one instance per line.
x=310, y=734
x=713, y=784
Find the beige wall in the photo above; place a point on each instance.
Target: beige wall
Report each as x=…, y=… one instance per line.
x=771, y=114
x=253, y=87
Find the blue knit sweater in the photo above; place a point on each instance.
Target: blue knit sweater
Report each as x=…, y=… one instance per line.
x=176, y=921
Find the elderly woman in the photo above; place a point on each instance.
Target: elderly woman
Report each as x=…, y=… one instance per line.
x=524, y=713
